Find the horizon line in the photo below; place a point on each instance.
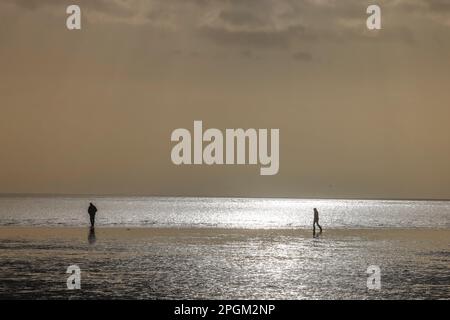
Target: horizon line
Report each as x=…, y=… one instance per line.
x=114, y=195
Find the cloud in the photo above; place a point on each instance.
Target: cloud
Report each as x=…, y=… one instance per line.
x=247, y=53
x=439, y=5
x=240, y=18
x=440, y=11
x=428, y=12
x=98, y=10
x=259, y=23
x=302, y=56
x=32, y=4
x=110, y=7
x=256, y=38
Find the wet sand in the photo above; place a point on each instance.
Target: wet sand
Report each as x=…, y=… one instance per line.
x=419, y=234
x=209, y=263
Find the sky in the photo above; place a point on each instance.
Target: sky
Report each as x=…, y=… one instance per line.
x=362, y=114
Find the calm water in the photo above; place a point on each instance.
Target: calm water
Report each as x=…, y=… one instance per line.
x=233, y=264
x=224, y=212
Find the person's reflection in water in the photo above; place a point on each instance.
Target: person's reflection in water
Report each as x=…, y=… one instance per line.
x=91, y=237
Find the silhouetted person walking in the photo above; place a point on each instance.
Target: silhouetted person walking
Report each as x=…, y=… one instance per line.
x=92, y=211
x=316, y=221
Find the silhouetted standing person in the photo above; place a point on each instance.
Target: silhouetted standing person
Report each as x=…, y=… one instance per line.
x=316, y=221
x=92, y=211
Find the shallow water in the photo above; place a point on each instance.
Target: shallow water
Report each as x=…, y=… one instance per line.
x=225, y=266
x=224, y=212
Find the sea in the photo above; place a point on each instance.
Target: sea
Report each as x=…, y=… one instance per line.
x=223, y=212
x=224, y=248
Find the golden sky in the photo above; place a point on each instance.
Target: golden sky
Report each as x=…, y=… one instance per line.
x=361, y=113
